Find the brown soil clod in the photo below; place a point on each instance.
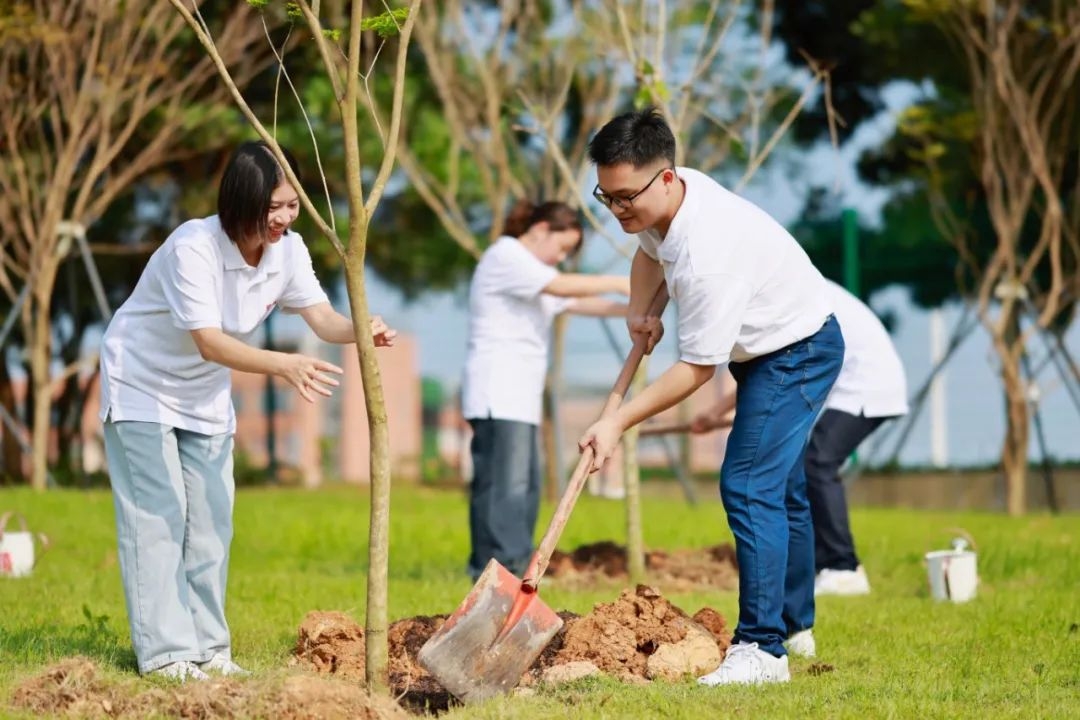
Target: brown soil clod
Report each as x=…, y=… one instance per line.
x=331, y=643
x=715, y=623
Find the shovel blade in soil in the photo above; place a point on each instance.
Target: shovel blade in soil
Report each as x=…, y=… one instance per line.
x=475, y=654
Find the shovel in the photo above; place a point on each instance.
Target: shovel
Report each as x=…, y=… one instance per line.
x=501, y=627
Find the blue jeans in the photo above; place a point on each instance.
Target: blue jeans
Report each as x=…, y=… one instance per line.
x=173, y=493
x=504, y=498
x=763, y=484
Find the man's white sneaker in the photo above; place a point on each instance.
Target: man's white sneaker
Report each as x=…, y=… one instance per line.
x=802, y=644
x=746, y=664
x=842, y=582
x=221, y=664
x=182, y=671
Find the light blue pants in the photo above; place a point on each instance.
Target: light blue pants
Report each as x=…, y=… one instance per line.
x=173, y=492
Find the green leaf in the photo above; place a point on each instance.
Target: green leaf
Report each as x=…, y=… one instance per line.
x=642, y=98
x=387, y=24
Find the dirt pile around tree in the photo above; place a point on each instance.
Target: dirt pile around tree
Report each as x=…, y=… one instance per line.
x=685, y=569
x=639, y=637
x=333, y=643
x=75, y=687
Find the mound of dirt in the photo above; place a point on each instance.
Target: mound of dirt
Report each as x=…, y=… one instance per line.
x=642, y=636
x=76, y=688
x=638, y=637
x=686, y=569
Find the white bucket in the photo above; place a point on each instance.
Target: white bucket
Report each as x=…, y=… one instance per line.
x=953, y=573
x=17, y=547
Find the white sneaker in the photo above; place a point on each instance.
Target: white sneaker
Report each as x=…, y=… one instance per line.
x=221, y=664
x=842, y=582
x=746, y=664
x=182, y=671
x=802, y=644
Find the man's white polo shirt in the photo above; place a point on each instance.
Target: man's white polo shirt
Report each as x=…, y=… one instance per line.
x=509, y=334
x=872, y=381
x=743, y=285
x=151, y=369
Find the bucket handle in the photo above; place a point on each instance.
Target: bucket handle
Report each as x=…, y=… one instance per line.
x=41, y=537
x=966, y=536
x=958, y=532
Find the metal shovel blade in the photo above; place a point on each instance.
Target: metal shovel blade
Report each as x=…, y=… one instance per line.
x=476, y=654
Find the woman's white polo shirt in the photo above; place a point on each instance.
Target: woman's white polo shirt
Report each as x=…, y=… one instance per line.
x=151, y=369
x=510, y=321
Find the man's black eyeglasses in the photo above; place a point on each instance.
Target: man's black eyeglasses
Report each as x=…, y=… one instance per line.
x=625, y=201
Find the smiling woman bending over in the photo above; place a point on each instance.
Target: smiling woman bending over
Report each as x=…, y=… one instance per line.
x=166, y=402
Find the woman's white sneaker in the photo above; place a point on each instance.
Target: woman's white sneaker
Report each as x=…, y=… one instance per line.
x=802, y=644
x=842, y=582
x=182, y=671
x=747, y=664
x=221, y=664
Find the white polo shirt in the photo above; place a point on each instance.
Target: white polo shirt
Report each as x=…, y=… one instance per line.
x=743, y=285
x=151, y=369
x=509, y=334
x=872, y=381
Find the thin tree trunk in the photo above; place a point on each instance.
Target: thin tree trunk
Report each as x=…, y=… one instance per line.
x=635, y=539
x=1015, y=447
x=377, y=621
x=553, y=467
x=40, y=387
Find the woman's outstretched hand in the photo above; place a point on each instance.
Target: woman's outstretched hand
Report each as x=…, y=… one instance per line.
x=310, y=376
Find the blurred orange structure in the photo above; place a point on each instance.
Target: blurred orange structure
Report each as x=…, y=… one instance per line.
x=311, y=439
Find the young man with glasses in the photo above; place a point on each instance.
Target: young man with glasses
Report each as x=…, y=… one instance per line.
x=749, y=297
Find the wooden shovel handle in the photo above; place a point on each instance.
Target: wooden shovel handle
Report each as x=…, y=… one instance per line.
x=540, y=558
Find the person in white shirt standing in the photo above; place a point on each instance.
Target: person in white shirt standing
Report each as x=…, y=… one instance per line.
x=515, y=294
x=870, y=390
x=749, y=296
x=166, y=404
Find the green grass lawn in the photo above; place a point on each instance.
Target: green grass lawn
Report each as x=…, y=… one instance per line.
x=1013, y=652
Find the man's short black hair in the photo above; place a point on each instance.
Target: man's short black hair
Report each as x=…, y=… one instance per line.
x=250, y=179
x=640, y=138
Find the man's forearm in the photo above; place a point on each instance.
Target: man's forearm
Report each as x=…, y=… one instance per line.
x=675, y=385
x=646, y=275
